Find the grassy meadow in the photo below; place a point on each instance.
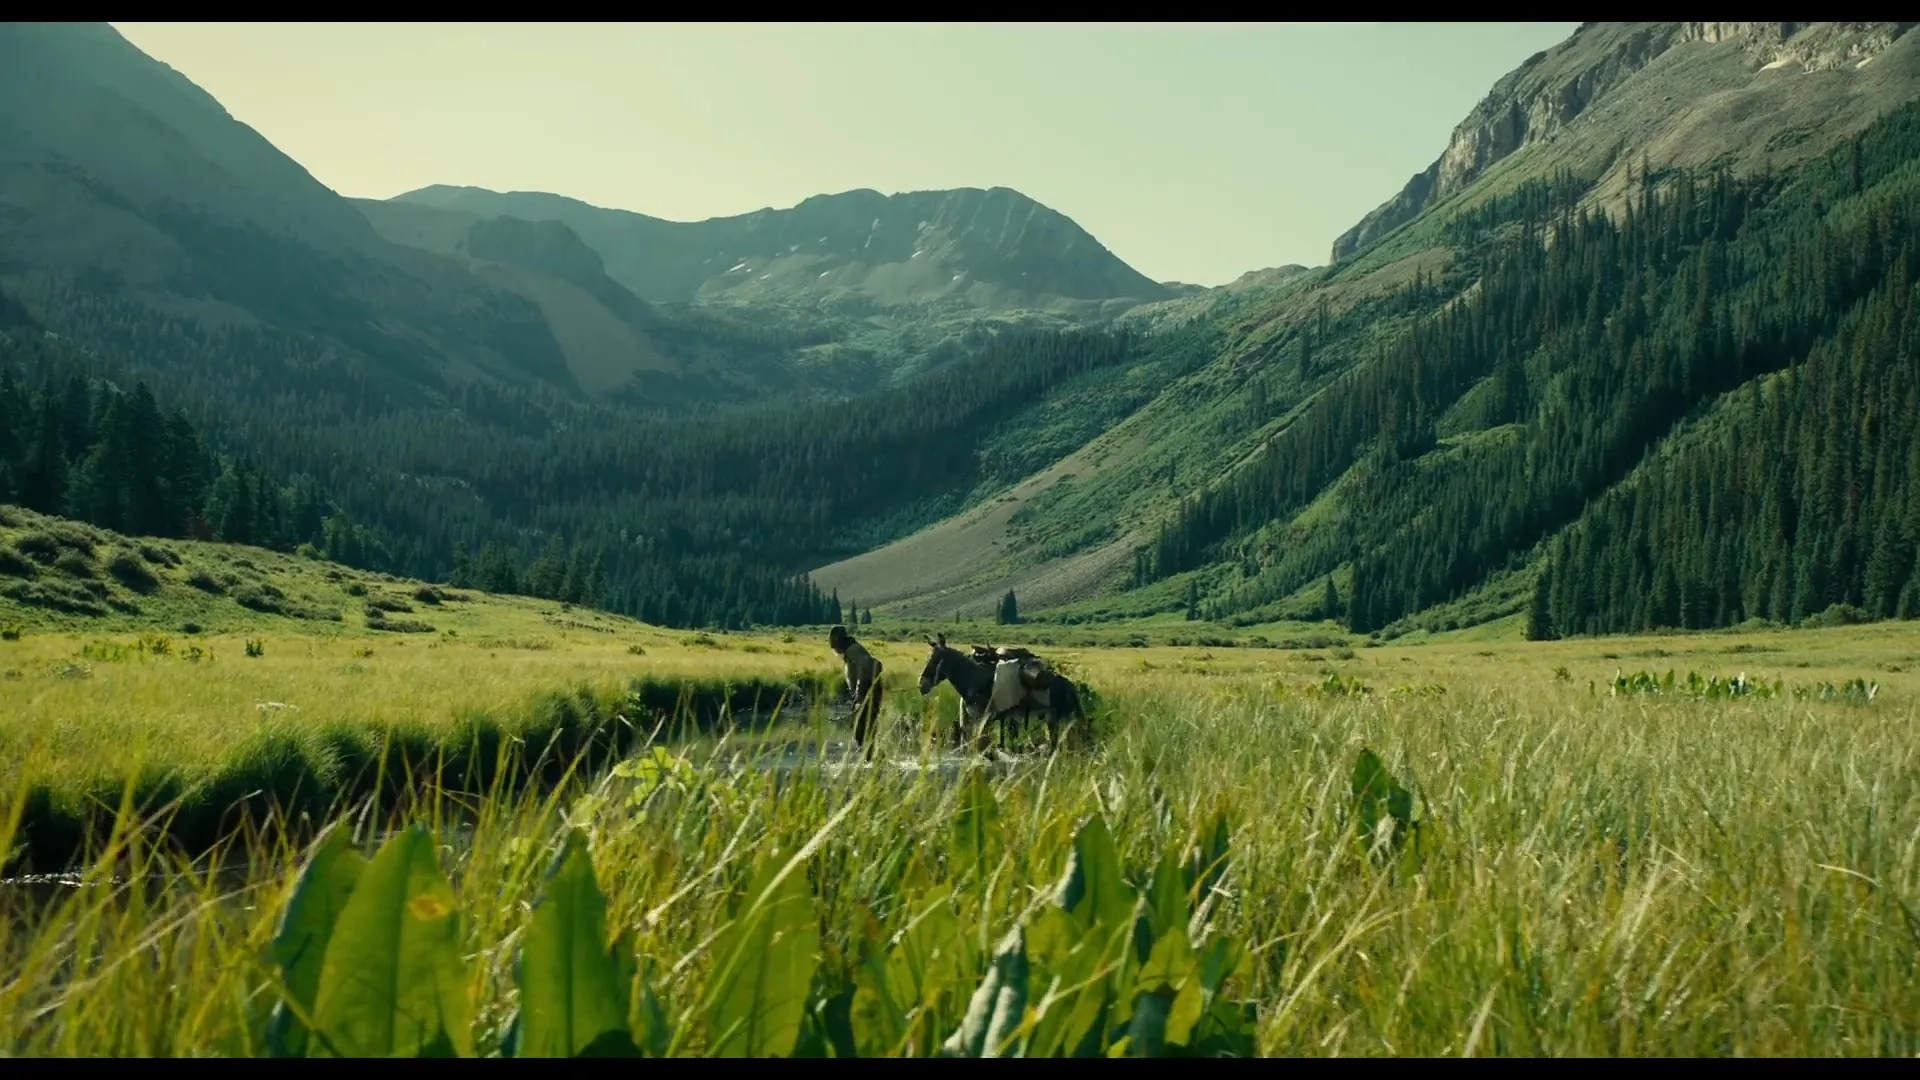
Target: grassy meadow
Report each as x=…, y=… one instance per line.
x=1551, y=863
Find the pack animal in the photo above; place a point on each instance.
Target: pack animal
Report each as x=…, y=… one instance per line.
x=994, y=691
x=1022, y=681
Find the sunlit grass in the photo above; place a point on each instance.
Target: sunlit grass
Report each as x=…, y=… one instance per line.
x=1594, y=874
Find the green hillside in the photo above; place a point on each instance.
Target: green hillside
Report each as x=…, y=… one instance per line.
x=499, y=385
x=1418, y=419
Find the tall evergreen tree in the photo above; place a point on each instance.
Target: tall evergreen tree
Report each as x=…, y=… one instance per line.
x=1539, y=616
x=43, y=477
x=1009, y=609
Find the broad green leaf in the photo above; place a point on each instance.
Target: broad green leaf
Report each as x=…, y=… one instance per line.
x=1147, y=1034
x=757, y=996
x=1174, y=970
x=610, y=1044
x=976, y=828
x=879, y=1027
x=879, y=1021
x=1089, y=1020
x=1124, y=977
x=1228, y=1029
x=654, y=1032
x=393, y=983
x=827, y=1027
x=1221, y=959
x=1368, y=774
x=1061, y=956
x=571, y=994
x=927, y=960
x=1378, y=795
x=1092, y=888
x=1069, y=962
x=1167, y=906
x=300, y=946
x=1171, y=964
x=998, y=1006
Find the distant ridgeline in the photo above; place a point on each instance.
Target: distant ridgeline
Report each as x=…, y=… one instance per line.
x=1702, y=411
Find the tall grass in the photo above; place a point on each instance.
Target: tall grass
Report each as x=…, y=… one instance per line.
x=289, y=774
x=1588, y=875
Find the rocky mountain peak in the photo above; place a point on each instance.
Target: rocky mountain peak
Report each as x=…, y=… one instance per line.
x=1552, y=89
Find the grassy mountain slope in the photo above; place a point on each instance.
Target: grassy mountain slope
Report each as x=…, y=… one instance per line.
x=1622, y=104
x=617, y=345
x=121, y=180
x=645, y=351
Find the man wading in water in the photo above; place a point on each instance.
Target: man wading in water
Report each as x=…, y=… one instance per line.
x=863, y=682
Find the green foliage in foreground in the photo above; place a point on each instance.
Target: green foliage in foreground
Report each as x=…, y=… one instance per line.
x=1519, y=868
x=371, y=965
x=1716, y=687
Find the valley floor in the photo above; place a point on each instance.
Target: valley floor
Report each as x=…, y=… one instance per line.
x=1598, y=868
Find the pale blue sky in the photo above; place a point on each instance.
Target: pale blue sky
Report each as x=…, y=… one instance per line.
x=1195, y=152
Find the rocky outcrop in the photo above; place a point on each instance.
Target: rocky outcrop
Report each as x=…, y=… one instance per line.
x=1554, y=88
x=1812, y=46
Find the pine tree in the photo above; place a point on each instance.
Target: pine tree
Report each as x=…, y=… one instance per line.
x=1539, y=619
x=185, y=474
x=548, y=572
x=148, y=511
x=1359, y=617
x=43, y=480
x=1330, y=601
x=592, y=592
x=461, y=577
x=1009, y=609
x=15, y=419
x=76, y=419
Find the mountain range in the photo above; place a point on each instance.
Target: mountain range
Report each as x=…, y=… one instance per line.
x=1595, y=369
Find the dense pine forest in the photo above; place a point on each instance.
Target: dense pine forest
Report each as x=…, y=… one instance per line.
x=1572, y=343
x=90, y=451
x=704, y=521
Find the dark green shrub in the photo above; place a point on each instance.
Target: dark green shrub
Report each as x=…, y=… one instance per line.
x=39, y=546
x=159, y=556
x=74, y=564
x=261, y=598
x=128, y=570
x=63, y=596
x=14, y=564
x=400, y=626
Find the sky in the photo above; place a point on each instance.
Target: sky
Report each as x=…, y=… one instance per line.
x=1195, y=152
